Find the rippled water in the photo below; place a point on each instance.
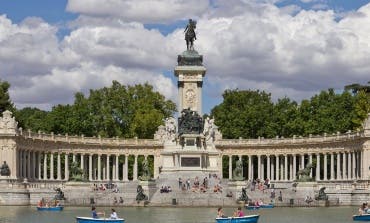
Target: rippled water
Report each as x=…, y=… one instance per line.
x=179, y=215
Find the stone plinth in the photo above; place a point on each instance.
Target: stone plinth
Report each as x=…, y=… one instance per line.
x=150, y=187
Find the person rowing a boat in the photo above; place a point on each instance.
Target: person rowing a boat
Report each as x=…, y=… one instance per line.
x=96, y=214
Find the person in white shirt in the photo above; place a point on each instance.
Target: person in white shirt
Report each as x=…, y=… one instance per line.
x=113, y=215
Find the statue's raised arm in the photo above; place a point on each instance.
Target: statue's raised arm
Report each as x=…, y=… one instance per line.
x=190, y=35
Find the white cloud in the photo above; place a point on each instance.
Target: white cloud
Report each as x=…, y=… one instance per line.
x=146, y=11
x=246, y=44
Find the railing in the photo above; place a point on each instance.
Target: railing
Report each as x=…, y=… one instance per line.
x=294, y=140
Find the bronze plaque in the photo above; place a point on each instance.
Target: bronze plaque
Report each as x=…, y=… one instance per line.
x=190, y=161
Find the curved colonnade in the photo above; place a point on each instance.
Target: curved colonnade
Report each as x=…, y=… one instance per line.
x=48, y=157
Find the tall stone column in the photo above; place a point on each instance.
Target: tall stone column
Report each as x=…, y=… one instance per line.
x=66, y=167
x=332, y=166
x=273, y=170
x=230, y=167
x=28, y=164
x=354, y=167
x=116, y=177
x=286, y=167
x=318, y=166
x=33, y=165
x=59, y=173
x=73, y=157
x=99, y=167
x=39, y=165
x=338, y=176
x=349, y=167
x=108, y=168
x=156, y=164
x=90, y=166
x=51, y=166
x=82, y=161
x=262, y=168
x=250, y=173
x=259, y=166
x=24, y=164
x=268, y=166
x=294, y=166
x=325, y=166
x=277, y=177
x=310, y=161
x=302, y=162
x=135, y=168
x=345, y=166
x=45, y=166
x=125, y=168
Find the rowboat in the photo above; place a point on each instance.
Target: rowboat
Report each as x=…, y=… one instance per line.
x=244, y=219
x=56, y=208
x=267, y=205
x=252, y=207
x=363, y=217
x=99, y=220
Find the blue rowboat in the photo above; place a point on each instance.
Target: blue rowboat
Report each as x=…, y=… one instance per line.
x=56, y=208
x=267, y=205
x=252, y=207
x=244, y=219
x=363, y=217
x=99, y=220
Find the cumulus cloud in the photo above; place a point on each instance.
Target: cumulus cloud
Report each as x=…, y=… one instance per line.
x=146, y=11
x=246, y=44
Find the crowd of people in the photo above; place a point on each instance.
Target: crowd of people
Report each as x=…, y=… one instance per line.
x=212, y=182
x=165, y=189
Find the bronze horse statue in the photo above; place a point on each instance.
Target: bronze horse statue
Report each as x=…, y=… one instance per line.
x=190, y=34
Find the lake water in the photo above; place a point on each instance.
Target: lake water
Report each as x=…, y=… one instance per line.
x=11, y=214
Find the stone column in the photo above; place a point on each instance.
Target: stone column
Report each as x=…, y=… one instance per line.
x=250, y=173
x=90, y=167
x=99, y=167
x=354, y=167
x=345, y=166
x=332, y=166
x=108, y=168
x=51, y=166
x=156, y=166
x=294, y=166
x=59, y=173
x=66, y=167
x=116, y=177
x=268, y=167
x=28, y=164
x=317, y=166
x=277, y=177
x=259, y=166
x=286, y=167
x=39, y=165
x=45, y=166
x=310, y=161
x=230, y=167
x=33, y=165
x=302, y=162
x=338, y=176
x=125, y=169
x=73, y=157
x=325, y=166
x=24, y=164
x=82, y=161
x=273, y=170
x=135, y=168
x=349, y=167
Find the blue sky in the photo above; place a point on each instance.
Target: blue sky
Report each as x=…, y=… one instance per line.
x=289, y=48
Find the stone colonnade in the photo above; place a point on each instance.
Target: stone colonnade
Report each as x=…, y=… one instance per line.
x=332, y=166
x=51, y=166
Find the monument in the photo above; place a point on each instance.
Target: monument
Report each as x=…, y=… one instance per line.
x=189, y=146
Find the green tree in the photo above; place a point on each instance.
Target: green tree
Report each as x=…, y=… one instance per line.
x=244, y=114
x=5, y=103
x=31, y=118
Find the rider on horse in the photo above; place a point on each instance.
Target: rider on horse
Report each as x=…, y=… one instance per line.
x=190, y=34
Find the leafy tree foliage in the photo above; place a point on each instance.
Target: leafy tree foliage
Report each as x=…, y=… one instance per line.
x=31, y=118
x=123, y=111
x=5, y=103
x=250, y=114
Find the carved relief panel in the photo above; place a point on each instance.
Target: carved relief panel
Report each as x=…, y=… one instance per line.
x=190, y=97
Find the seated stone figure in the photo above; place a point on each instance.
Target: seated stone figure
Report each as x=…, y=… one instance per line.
x=304, y=174
x=322, y=195
x=5, y=170
x=140, y=194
